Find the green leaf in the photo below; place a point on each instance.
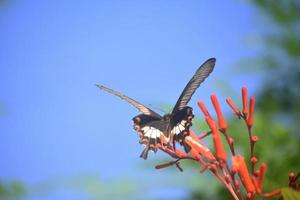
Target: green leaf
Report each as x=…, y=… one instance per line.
x=289, y=194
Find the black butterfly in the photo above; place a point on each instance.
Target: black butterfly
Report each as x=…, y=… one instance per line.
x=153, y=128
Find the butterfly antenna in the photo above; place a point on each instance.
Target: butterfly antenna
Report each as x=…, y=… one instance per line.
x=99, y=86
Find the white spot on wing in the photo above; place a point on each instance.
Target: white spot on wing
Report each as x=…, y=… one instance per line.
x=181, y=128
x=177, y=131
x=151, y=132
x=159, y=133
x=145, y=129
x=148, y=133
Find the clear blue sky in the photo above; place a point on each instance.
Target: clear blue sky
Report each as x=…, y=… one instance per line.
x=56, y=123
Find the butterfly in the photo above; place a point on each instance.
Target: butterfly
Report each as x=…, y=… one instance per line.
x=153, y=129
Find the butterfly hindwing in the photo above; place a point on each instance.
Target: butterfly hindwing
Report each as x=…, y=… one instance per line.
x=181, y=123
x=151, y=132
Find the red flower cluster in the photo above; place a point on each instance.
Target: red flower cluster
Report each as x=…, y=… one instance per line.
x=217, y=162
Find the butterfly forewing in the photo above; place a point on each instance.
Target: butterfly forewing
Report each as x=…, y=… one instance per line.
x=139, y=106
x=201, y=74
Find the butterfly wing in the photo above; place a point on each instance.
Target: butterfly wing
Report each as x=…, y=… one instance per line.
x=181, y=122
x=139, y=106
x=151, y=132
x=201, y=74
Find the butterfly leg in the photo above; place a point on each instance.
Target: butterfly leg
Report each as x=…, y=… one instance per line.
x=174, y=145
x=144, y=153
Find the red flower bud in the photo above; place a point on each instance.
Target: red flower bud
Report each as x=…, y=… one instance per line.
x=254, y=181
x=253, y=160
x=251, y=112
x=254, y=138
x=261, y=176
x=235, y=110
x=221, y=119
x=220, y=152
x=203, y=108
x=240, y=165
x=245, y=101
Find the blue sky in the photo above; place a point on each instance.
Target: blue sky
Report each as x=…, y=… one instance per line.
x=56, y=123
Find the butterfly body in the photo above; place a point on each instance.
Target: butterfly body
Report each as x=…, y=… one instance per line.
x=153, y=129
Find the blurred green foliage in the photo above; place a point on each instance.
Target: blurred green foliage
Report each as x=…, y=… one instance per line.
x=289, y=194
x=88, y=186
x=12, y=190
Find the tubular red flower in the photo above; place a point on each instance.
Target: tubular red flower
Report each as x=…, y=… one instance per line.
x=220, y=152
x=200, y=148
x=195, y=154
x=221, y=119
x=180, y=153
x=203, y=108
x=261, y=176
x=254, y=181
x=251, y=112
x=235, y=110
x=241, y=167
x=245, y=101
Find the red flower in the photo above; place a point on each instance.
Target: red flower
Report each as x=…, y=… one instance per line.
x=262, y=171
x=245, y=101
x=240, y=166
x=203, y=108
x=251, y=112
x=221, y=119
x=199, y=149
x=220, y=152
x=233, y=107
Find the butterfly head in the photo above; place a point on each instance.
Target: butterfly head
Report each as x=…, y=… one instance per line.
x=167, y=117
